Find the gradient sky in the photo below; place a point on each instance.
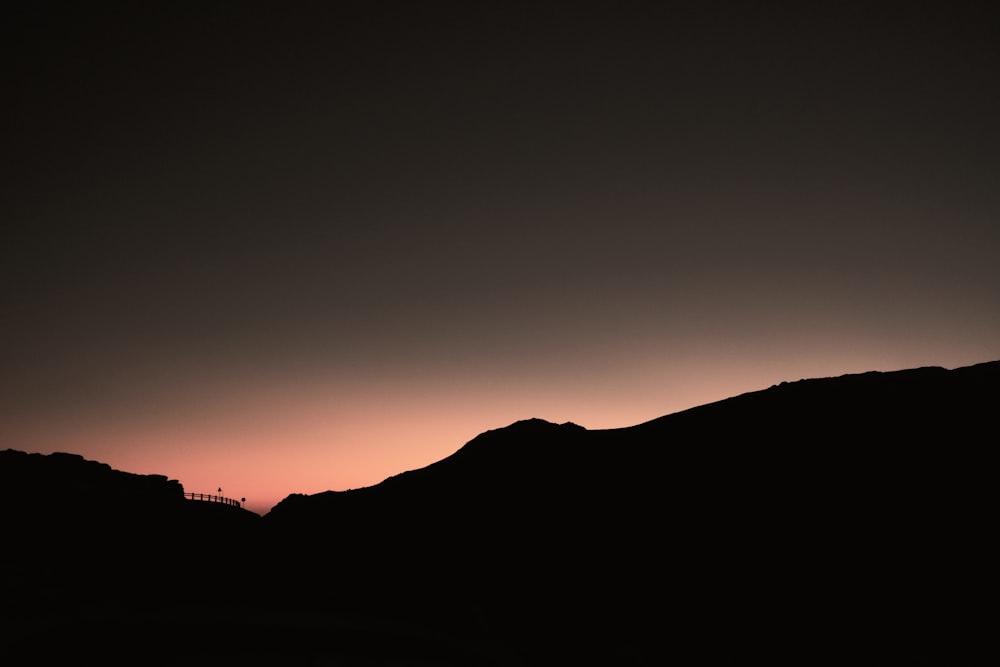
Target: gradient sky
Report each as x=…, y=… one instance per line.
x=281, y=247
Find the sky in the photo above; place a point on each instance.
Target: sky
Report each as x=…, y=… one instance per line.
x=290, y=247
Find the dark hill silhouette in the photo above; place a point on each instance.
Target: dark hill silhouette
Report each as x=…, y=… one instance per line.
x=825, y=519
x=88, y=531
x=821, y=521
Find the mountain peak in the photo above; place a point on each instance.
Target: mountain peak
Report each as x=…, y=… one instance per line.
x=538, y=423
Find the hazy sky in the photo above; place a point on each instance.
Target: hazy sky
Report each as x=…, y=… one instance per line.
x=283, y=247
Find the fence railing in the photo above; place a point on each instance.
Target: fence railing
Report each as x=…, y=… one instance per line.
x=208, y=498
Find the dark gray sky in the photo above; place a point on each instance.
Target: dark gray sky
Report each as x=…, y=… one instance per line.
x=334, y=241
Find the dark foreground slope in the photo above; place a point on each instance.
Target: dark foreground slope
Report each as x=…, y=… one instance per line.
x=813, y=522
x=816, y=522
x=101, y=566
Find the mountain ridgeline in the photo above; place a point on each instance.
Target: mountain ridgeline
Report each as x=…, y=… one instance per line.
x=815, y=522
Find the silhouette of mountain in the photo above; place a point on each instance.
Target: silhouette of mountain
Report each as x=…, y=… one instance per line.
x=818, y=521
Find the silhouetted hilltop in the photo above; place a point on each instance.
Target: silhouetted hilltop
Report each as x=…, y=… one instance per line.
x=68, y=489
x=79, y=536
x=74, y=484
x=833, y=513
x=820, y=521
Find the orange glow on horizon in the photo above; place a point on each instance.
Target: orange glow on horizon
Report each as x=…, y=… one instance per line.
x=277, y=438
